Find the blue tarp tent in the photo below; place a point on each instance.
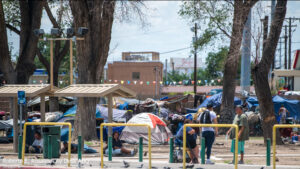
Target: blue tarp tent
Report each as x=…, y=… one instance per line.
x=216, y=100
x=293, y=106
x=72, y=112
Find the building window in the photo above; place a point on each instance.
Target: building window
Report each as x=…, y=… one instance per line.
x=135, y=75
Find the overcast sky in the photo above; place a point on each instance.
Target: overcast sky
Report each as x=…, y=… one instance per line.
x=167, y=32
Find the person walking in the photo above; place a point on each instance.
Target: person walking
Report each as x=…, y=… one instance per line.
x=241, y=120
x=209, y=133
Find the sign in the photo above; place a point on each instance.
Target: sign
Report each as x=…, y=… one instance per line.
x=21, y=97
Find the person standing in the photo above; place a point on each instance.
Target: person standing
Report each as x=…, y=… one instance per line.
x=209, y=117
x=282, y=115
x=241, y=120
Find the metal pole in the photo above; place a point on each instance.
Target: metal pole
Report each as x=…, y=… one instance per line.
x=246, y=55
x=171, y=150
x=202, y=150
x=21, y=112
x=290, y=42
x=110, y=112
x=280, y=53
x=141, y=149
x=51, y=65
x=195, y=60
x=71, y=62
x=109, y=148
x=79, y=148
x=268, y=160
x=285, y=47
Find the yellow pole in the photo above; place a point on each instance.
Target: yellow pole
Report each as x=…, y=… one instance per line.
x=51, y=65
x=274, y=146
x=23, y=144
x=101, y=143
x=69, y=145
x=44, y=124
x=149, y=146
x=184, y=146
x=236, y=146
x=71, y=62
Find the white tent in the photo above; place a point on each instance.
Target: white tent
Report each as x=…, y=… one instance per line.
x=160, y=133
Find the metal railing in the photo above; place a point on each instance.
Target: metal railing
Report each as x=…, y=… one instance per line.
x=47, y=124
x=274, y=138
x=124, y=124
x=211, y=125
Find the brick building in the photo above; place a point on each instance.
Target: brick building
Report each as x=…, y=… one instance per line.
x=137, y=72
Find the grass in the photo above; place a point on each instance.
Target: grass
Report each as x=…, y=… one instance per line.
x=88, y=143
x=227, y=161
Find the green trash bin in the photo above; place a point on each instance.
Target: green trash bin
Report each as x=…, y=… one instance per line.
x=51, y=143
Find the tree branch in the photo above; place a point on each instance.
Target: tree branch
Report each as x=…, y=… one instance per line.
x=50, y=15
x=12, y=28
x=43, y=60
x=63, y=52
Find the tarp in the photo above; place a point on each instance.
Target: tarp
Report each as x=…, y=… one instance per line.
x=5, y=125
x=72, y=112
x=160, y=133
x=293, y=106
x=216, y=100
x=101, y=112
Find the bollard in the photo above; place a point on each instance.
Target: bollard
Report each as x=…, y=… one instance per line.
x=49, y=147
x=109, y=148
x=171, y=150
x=20, y=147
x=233, y=145
x=203, y=150
x=268, y=152
x=79, y=148
x=141, y=149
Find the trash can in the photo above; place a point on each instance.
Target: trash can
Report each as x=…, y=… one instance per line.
x=51, y=143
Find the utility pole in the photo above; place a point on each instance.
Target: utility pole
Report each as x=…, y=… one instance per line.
x=285, y=47
x=246, y=55
x=195, y=59
x=166, y=70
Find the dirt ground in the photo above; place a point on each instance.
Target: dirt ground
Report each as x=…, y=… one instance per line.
x=255, y=152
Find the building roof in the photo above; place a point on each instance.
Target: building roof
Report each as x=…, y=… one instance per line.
x=286, y=73
x=30, y=90
x=95, y=90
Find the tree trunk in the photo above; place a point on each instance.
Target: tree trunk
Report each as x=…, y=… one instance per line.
x=5, y=59
x=31, y=14
x=261, y=70
x=92, y=54
x=241, y=11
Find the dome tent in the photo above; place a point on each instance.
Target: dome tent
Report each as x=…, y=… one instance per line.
x=160, y=133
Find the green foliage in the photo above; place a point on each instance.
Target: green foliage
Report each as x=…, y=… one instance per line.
x=12, y=12
x=214, y=16
x=176, y=76
x=215, y=62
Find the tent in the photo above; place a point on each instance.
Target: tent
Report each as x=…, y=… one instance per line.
x=160, y=133
x=293, y=106
x=72, y=111
x=216, y=100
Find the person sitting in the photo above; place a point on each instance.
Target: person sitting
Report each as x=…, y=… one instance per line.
x=37, y=145
x=117, y=147
x=74, y=147
x=191, y=138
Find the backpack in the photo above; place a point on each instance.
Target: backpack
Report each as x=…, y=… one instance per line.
x=205, y=117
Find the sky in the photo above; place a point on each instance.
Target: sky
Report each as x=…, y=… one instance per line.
x=167, y=32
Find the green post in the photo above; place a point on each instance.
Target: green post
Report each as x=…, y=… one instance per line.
x=171, y=150
x=203, y=150
x=20, y=147
x=268, y=152
x=109, y=148
x=141, y=149
x=233, y=145
x=79, y=148
x=49, y=147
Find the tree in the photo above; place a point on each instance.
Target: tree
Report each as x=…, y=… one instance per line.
x=92, y=53
x=261, y=70
x=241, y=11
x=22, y=19
x=215, y=62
